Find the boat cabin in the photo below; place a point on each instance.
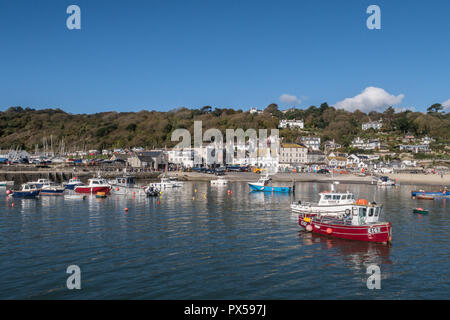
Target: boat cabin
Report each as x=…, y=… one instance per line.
x=356, y=215
x=124, y=181
x=28, y=187
x=97, y=182
x=335, y=198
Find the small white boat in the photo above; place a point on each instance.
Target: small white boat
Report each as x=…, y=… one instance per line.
x=126, y=185
x=330, y=202
x=52, y=189
x=74, y=197
x=385, y=182
x=176, y=182
x=6, y=183
x=165, y=183
x=219, y=182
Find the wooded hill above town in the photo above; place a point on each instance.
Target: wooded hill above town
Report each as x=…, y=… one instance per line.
x=26, y=128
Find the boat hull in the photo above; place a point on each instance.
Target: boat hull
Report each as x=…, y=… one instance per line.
x=52, y=192
x=71, y=186
x=256, y=187
x=380, y=232
x=92, y=190
x=26, y=194
x=420, y=211
x=431, y=193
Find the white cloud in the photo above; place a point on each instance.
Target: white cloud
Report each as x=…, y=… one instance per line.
x=446, y=105
x=371, y=98
x=290, y=99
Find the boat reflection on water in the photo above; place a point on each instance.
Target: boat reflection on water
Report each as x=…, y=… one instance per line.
x=358, y=252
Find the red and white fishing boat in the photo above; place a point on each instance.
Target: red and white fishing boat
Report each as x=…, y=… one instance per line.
x=360, y=224
x=94, y=185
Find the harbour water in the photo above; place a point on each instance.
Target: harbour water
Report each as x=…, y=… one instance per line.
x=199, y=242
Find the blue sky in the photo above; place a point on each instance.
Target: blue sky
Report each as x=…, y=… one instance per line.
x=159, y=55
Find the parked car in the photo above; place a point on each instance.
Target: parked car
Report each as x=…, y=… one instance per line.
x=323, y=171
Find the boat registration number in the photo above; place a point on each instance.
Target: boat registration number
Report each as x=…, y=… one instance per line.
x=374, y=230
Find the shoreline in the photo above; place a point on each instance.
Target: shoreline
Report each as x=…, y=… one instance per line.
x=403, y=179
x=62, y=175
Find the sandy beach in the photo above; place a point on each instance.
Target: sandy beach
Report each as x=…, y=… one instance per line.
x=405, y=179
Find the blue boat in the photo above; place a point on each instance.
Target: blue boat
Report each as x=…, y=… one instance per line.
x=263, y=185
x=28, y=191
x=73, y=183
x=443, y=193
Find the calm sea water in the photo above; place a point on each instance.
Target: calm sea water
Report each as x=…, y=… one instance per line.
x=198, y=242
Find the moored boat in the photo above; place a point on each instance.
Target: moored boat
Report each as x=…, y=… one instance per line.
x=165, y=183
x=151, y=191
x=125, y=185
x=360, y=224
x=27, y=191
x=384, y=181
x=422, y=197
x=330, y=202
x=443, y=193
x=94, y=186
x=100, y=195
x=74, y=197
x=39, y=183
x=6, y=183
x=72, y=183
x=420, y=211
x=263, y=184
x=52, y=189
x=219, y=182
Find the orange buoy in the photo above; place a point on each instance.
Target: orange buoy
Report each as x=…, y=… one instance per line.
x=12, y=204
x=329, y=230
x=117, y=188
x=126, y=209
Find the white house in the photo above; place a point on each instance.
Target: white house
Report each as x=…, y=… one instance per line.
x=183, y=157
x=254, y=110
x=359, y=143
x=311, y=142
x=292, y=153
x=353, y=161
x=376, y=125
x=291, y=124
x=415, y=148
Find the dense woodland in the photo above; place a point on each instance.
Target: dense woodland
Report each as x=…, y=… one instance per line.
x=25, y=127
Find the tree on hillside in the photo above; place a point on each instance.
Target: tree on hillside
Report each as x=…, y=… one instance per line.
x=435, y=108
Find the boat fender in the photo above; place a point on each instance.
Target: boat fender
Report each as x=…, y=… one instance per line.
x=329, y=230
x=309, y=228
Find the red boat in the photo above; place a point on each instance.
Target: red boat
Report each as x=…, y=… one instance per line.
x=94, y=186
x=360, y=224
